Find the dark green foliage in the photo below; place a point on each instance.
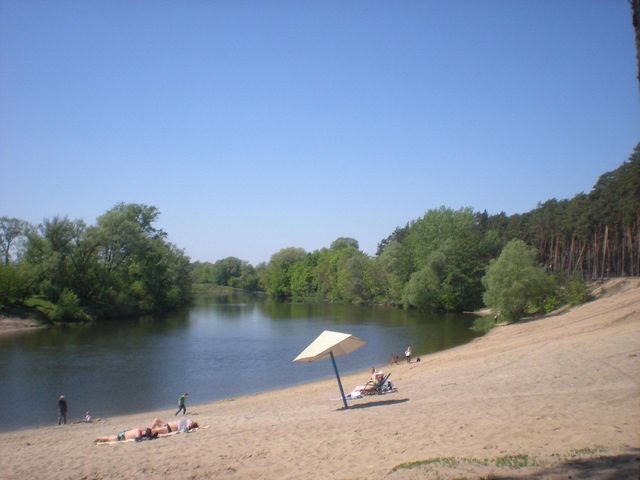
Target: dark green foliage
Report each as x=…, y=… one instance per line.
x=397, y=236
x=68, y=308
x=12, y=235
x=17, y=283
x=444, y=257
x=229, y=272
x=484, y=324
x=576, y=292
x=120, y=266
x=395, y=260
x=304, y=284
x=280, y=269
x=515, y=284
x=124, y=265
x=594, y=235
x=423, y=290
x=437, y=261
x=344, y=242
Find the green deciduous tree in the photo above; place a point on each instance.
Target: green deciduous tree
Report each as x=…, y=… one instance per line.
x=140, y=270
x=304, y=285
x=515, y=284
x=278, y=272
x=423, y=290
x=17, y=282
x=440, y=257
x=12, y=235
x=122, y=265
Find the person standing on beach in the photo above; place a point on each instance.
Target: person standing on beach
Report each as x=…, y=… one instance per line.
x=62, y=410
x=181, y=404
x=407, y=353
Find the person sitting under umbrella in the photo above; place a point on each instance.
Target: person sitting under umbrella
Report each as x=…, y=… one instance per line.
x=371, y=386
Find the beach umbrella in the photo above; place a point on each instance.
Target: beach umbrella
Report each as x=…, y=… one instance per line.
x=330, y=345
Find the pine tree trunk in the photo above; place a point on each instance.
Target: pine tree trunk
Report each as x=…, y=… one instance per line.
x=605, y=243
x=570, y=266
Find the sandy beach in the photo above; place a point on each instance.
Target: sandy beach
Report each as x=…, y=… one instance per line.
x=551, y=397
x=12, y=325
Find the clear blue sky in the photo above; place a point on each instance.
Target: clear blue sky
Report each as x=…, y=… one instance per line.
x=259, y=125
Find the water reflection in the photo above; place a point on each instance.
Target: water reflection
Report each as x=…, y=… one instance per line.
x=223, y=346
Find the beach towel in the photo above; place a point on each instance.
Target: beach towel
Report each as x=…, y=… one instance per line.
x=160, y=435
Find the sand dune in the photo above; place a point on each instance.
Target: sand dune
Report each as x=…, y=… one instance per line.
x=554, y=396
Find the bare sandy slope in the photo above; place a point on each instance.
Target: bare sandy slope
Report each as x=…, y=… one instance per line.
x=13, y=325
x=560, y=395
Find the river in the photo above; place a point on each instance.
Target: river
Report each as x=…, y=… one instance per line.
x=222, y=346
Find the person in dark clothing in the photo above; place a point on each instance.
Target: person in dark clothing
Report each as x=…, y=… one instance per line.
x=62, y=410
x=181, y=404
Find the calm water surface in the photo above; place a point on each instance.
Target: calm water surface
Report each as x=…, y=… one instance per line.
x=221, y=347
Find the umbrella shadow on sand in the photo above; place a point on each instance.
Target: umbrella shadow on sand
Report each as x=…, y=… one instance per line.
x=379, y=403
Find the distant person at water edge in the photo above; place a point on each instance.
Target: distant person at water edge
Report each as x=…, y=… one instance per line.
x=407, y=353
x=87, y=418
x=62, y=410
x=181, y=404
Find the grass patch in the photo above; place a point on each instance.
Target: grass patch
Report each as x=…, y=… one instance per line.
x=514, y=461
x=582, y=452
x=505, y=461
x=40, y=304
x=34, y=308
x=483, y=324
x=444, y=461
x=450, y=462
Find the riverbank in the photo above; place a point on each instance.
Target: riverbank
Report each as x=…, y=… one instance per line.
x=549, y=396
x=15, y=325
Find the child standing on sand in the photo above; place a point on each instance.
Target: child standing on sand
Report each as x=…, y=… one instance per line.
x=181, y=404
x=407, y=353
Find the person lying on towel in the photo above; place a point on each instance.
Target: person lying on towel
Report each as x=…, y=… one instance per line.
x=136, y=434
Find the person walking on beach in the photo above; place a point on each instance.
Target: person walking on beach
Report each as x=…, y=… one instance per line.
x=181, y=404
x=407, y=353
x=62, y=410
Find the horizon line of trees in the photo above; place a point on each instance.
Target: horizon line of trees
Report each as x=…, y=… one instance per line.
x=441, y=262
x=438, y=262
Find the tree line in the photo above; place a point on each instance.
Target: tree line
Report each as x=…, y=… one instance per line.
x=121, y=266
x=446, y=260
x=441, y=261
x=594, y=235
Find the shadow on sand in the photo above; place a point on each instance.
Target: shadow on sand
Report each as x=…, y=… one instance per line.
x=611, y=467
x=380, y=403
x=622, y=466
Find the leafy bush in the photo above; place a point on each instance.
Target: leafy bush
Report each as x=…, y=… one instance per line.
x=515, y=284
x=483, y=324
x=39, y=303
x=577, y=292
x=551, y=303
x=421, y=291
x=16, y=283
x=68, y=308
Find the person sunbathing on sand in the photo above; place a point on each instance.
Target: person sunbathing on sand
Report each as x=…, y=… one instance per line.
x=133, y=434
x=159, y=426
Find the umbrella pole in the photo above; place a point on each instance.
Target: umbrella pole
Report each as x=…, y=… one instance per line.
x=335, y=368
